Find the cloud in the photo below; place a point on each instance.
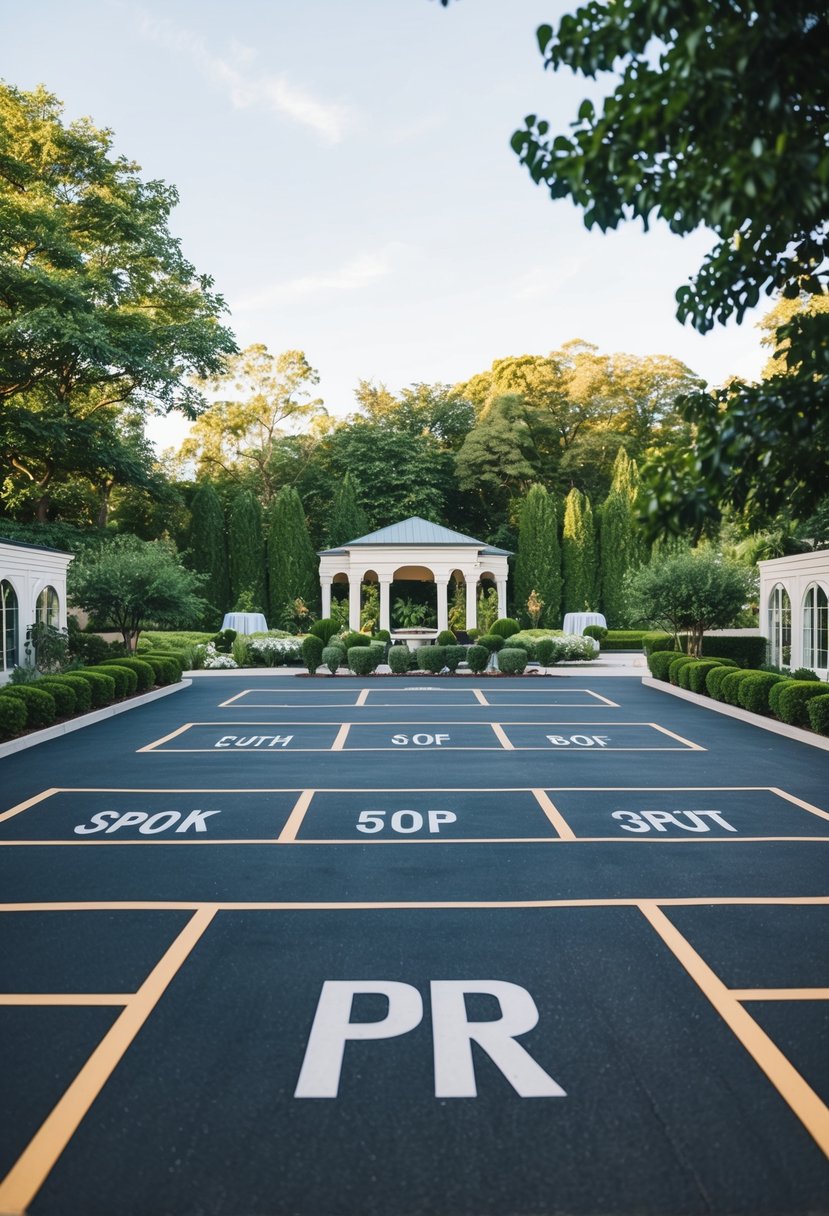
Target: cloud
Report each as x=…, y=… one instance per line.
x=544, y=283
x=353, y=275
x=235, y=74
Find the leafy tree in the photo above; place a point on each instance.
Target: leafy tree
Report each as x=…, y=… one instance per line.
x=247, y=550
x=292, y=563
x=347, y=520
x=136, y=584
x=578, y=554
x=538, y=558
x=621, y=545
x=207, y=544
x=498, y=455
x=718, y=120
x=691, y=591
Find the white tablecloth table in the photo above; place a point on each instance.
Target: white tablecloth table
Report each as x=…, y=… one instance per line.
x=577, y=622
x=245, y=622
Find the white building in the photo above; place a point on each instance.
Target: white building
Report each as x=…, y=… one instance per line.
x=32, y=588
x=418, y=550
x=794, y=610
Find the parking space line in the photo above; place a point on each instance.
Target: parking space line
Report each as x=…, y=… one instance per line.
x=780, y=994
x=294, y=821
x=605, y=700
x=695, y=747
x=257, y=840
x=27, y=1175
x=363, y=697
x=24, y=806
x=236, y=697
x=166, y=739
x=194, y=905
x=66, y=998
x=554, y=815
x=479, y=696
x=342, y=735
x=793, y=1089
x=501, y=736
x=805, y=806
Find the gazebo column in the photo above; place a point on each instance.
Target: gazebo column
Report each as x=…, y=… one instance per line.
x=502, y=597
x=471, y=600
x=325, y=585
x=442, y=585
x=354, y=603
x=385, y=581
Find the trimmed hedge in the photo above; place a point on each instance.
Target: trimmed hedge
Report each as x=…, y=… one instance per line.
x=13, y=716
x=454, y=656
x=324, y=629
x=144, y=671
x=356, y=639
x=63, y=696
x=39, y=705
x=81, y=689
x=492, y=641
x=755, y=689
x=312, y=652
x=167, y=671
x=793, y=698
x=774, y=695
x=382, y=635
x=505, y=627
x=512, y=660
x=333, y=658
x=659, y=662
x=714, y=679
x=101, y=686
x=119, y=675
x=477, y=658
x=398, y=659
x=545, y=651
x=818, y=709
x=362, y=660
x=132, y=676
x=446, y=638
x=657, y=640
x=599, y=632
x=621, y=639
x=527, y=645
x=730, y=686
x=676, y=664
x=746, y=652
x=696, y=672
x=432, y=658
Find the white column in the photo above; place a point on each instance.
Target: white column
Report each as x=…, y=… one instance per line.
x=354, y=602
x=325, y=584
x=442, y=585
x=502, y=597
x=385, y=614
x=471, y=600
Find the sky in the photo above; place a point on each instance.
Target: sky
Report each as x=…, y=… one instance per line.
x=345, y=177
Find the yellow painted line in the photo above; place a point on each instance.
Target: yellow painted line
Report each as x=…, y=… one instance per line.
x=66, y=998
x=554, y=815
x=604, y=700
x=501, y=736
x=805, y=806
x=363, y=696
x=24, y=806
x=27, y=1175
x=788, y=1082
x=780, y=994
x=479, y=696
x=342, y=735
x=172, y=735
x=238, y=696
x=695, y=747
x=271, y=840
x=294, y=820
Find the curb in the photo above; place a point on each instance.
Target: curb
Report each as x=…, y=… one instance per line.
x=97, y=715
x=742, y=715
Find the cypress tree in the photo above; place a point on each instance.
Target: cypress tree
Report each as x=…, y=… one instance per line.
x=578, y=552
x=347, y=519
x=247, y=551
x=622, y=547
x=207, y=543
x=538, y=558
x=293, y=565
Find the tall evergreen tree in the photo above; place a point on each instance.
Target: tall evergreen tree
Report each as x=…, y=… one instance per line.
x=620, y=536
x=578, y=552
x=347, y=520
x=538, y=558
x=292, y=563
x=247, y=551
x=207, y=542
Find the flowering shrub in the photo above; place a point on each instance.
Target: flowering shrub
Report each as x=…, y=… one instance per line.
x=274, y=652
x=566, y=648
x=213, y=660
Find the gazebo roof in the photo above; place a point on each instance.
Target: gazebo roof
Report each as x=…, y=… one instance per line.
x=418, y=532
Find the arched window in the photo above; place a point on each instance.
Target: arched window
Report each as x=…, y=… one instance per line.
x=47, y=609
x=780, y=627
x=8, y=625
x=815, y=628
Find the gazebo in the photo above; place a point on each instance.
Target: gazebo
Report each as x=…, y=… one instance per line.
x=416, y=550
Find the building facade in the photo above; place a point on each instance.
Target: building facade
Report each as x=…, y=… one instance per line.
x=32, y=588
x=794, y=610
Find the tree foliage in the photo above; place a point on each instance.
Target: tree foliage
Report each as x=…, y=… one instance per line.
x=621, y=545
x=347, y=520
x=689, y=591
x=247, y=550
x=207, y=544
x=292, y=563
x=538, y=560
x=578, y=555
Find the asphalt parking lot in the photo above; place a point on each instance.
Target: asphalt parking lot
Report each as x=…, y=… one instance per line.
x=411, y=946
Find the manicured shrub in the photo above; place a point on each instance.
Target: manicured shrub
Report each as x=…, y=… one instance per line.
x=755, y=688
x=684, y=673
x=101, y=686
x=730, y=686
x=505, y=627
x=818, y=710
x=512, y=661
x=473, y=633
x=774, y=695
x=657, y=640
x=454, y=656
x=13, y=716
x=356, y=639
x=167, y=671
x=312, y=649
x=714, y=679
x=804, y=673
x=63, y=695
x=81, y=689
x=695, y=674
x=144, y=671
x=325, y=629
x=794, y=697
x=446, y=638
x=332, y=658
x=527, y=645
x=433, y=658
x=399, y=657
x=382, y=635
x=90, y=647
x=362, y=660
x=599, y=632
x=745, y=651
x=623, y=639
x=132, y=676
x=40, y=705
x=477, y=658
x=675, y=665
x=492, y=641
x=659, y=662
x=119, y=675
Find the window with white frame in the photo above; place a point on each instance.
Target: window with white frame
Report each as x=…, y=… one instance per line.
x=780, y=626
x=8, y=625
x=47, y=609
x=815, y=627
